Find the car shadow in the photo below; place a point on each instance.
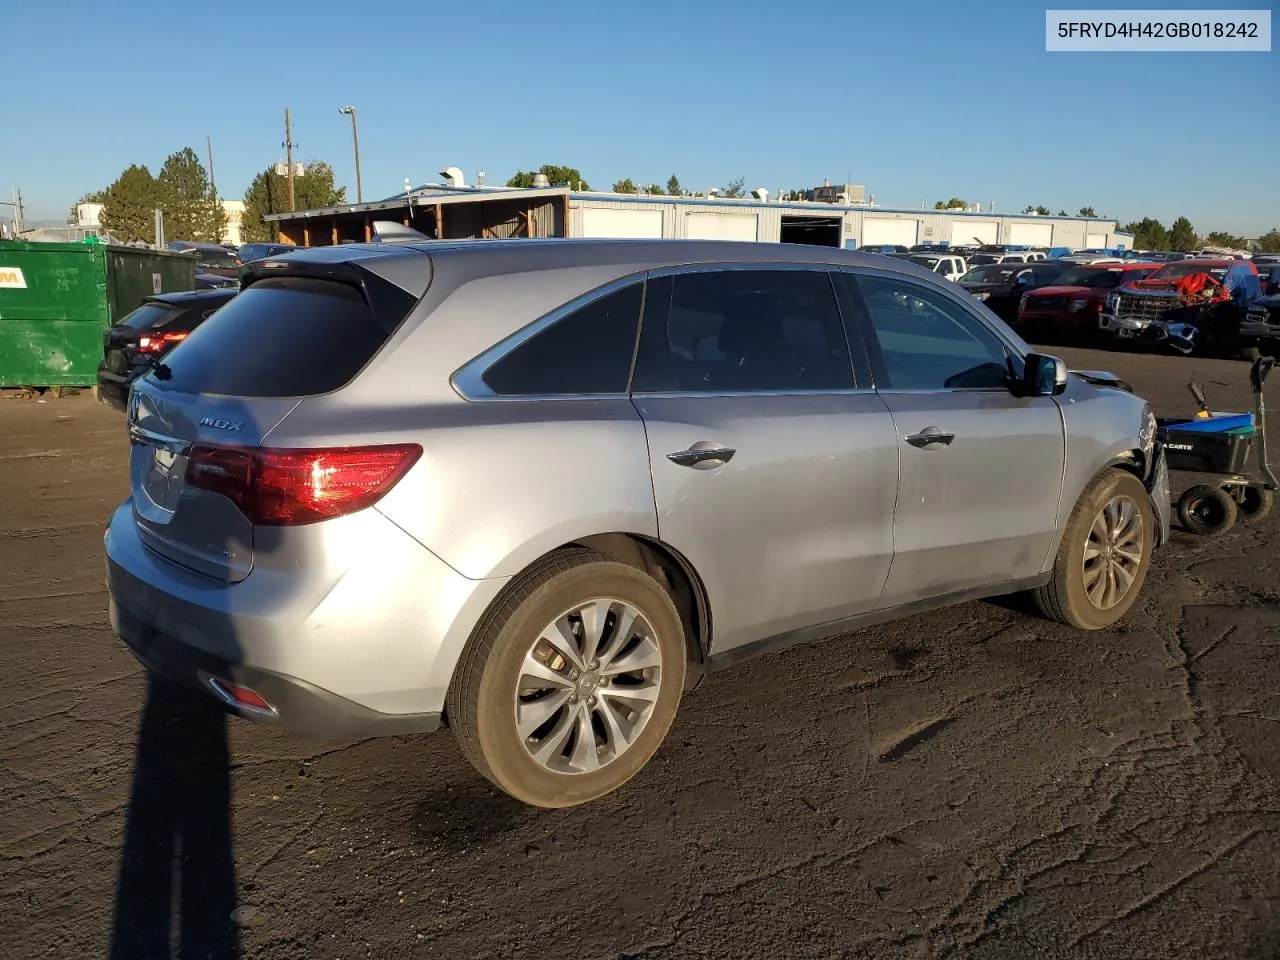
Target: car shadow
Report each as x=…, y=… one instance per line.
x=176, y=890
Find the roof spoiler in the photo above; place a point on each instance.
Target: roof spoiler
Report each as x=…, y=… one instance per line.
x=388, y=231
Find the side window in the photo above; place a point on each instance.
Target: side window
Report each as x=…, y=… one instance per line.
x=926, y=341
x=587, y=352
x=741, y=331
x=944, y=268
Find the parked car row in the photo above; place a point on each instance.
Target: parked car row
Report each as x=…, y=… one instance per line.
x=311, y=539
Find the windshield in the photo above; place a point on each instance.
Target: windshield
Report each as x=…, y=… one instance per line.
x=1098, y=277
x=929, y=262
x=992, y=273
x=985, y=258
x=1185, y=268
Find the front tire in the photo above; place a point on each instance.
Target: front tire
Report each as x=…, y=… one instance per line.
x=571, y=682
x=1104, y=555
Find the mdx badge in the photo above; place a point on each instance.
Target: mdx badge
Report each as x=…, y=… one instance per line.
x=219, y=424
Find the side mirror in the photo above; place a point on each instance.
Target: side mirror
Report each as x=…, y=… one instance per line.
x=1042, y=376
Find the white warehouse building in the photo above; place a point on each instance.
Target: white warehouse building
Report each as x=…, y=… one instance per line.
x=457, y=211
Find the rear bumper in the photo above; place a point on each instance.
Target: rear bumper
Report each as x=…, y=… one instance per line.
x=113, y=390
x=357, y=633
x=297, y=705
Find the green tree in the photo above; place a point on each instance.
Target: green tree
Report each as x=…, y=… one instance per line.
x=673, y=186
x=1220, y=239
x=1148, y=234
x=269, y=193
x=624, y=186
x=655, y=190
x=793, y=196
x=1182, y=235
x=1086, y=212
x=190, y=210
x=557, y=175
x=1063, y=213
x=955, y=203
x=130, y=204
x=1041, y=210
x=735, y=189
x=1269, y=242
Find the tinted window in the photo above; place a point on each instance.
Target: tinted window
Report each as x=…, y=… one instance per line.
x=927, y=341
x=149, y=316
x=588, y=351
x=744, y=331
x=285, y=337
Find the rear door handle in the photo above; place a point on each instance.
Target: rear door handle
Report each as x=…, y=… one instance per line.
x=930, y=436
x=703, y=455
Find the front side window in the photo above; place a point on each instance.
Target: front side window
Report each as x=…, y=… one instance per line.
x=744, y=331
x=925, y=339
x=587, y=352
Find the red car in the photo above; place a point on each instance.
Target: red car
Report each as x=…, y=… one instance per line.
x=1075, y=300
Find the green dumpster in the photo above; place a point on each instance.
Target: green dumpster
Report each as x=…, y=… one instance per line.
x=57, y=299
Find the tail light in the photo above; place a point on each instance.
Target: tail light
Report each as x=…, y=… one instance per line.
x=289, y=488
x=154, y=343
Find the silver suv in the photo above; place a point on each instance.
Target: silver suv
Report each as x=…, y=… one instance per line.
x=534, y=490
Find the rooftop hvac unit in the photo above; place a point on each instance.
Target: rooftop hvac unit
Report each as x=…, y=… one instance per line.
x=540, y=181
x=760, y=193
x=453, y=177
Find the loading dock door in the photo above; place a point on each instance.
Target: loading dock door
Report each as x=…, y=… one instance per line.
x=1031, y=234
x=816, y=231
x=964, y=232
x=879, y=230
x=627, y=224
x=1095, y=241
x=721, y=226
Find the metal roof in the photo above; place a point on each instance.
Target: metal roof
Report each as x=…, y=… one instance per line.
x=424, y=200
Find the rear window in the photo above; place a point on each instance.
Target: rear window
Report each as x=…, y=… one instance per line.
x=149, y=316
x=283, y=337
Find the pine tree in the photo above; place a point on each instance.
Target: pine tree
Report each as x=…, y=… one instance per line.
x=190, y=210
x=130, y=204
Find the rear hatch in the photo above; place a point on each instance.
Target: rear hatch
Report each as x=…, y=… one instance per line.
x=121, y=341
x=198, y=420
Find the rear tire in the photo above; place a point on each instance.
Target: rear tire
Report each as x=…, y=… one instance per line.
x=562, y=721
x=1104, y=555
x=1207, y=511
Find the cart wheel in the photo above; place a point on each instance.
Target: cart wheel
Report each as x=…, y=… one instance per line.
x=1207, y=511
x=1253, y=504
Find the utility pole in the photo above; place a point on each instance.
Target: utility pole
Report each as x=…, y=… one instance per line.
x=288, y=156
x=213, y=184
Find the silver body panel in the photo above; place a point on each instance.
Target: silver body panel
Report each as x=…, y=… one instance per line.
x=823, y=513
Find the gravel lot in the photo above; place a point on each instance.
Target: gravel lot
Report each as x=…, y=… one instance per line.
x=974, y=782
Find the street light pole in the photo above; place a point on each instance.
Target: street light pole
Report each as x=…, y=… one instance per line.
x=355, y=140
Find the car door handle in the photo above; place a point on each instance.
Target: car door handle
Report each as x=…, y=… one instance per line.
x=929, y=436
x=703, y=455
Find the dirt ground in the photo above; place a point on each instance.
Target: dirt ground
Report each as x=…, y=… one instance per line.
x=969, y=783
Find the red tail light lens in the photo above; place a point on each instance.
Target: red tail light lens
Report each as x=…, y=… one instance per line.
x=287, y=488
x=154, y=344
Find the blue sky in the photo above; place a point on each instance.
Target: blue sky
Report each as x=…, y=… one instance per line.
x=915, y=99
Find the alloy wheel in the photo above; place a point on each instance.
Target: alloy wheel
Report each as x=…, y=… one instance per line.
x=587, y=686
x=1113, y=552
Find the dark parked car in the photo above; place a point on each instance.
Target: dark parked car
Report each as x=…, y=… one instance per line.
x=1001, y=285
x=260, y=251
x=211, y=258
x=131, y=347
x=883, y=248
